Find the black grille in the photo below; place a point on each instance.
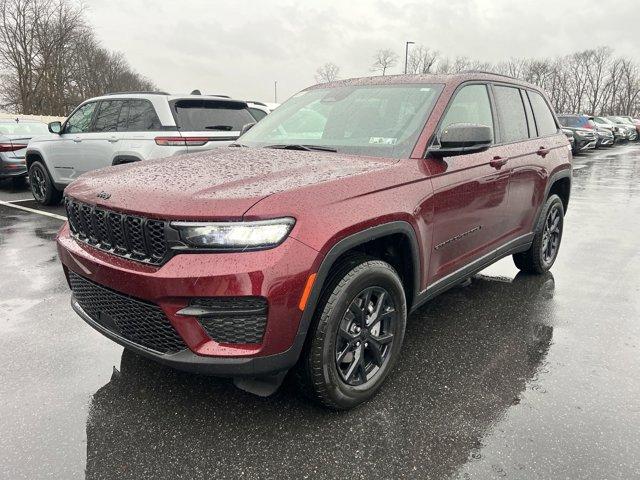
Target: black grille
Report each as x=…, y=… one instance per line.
x=139, y=322
x=128, y=236
x=234, y=319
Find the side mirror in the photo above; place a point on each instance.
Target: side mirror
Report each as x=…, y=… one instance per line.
x=246, y=128
x=55, y=127
x=461, y=139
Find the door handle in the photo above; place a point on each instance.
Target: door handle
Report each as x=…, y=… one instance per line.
x=498, y=162
x=113, y=139
x=77, y=139
x=543, y=152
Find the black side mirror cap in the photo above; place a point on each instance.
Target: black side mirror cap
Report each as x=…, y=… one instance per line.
x=246, y=128
x=462, y=139
x=55, y=127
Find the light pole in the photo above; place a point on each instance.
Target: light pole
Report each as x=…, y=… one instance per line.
x=275, y=91
x=406, y=55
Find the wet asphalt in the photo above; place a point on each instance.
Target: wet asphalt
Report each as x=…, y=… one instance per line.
x=511, y=376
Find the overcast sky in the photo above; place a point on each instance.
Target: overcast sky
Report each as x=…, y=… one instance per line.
x=241, y=47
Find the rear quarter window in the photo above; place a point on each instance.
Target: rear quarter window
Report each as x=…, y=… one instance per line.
x=211, y=115
x=544, y=118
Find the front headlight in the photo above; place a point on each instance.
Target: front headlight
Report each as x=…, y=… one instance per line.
x=580, y=134
x=235, y=235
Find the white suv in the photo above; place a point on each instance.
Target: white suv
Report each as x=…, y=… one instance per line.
x=128, y=127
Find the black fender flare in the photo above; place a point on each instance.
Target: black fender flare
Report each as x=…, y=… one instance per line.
x=343, y=246
x=122, y=159
x=564, y=173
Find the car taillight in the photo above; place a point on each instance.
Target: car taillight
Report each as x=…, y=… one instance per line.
x=181, y=141
x=11, y=147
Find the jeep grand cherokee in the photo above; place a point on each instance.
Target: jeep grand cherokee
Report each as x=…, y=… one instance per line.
x=307, y=243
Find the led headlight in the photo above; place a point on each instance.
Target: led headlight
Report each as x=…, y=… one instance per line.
x=235, y=235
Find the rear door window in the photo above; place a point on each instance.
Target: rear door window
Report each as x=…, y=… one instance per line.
x=544, y=118
x=140, y=117
x=107, y=116
x=211, y=115
x=513, y=120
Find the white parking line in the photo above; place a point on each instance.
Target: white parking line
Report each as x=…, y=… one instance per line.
x=33, y=210
x=21, y=200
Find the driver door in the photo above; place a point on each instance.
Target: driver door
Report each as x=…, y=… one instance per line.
x=470, y=191
x=65, y=154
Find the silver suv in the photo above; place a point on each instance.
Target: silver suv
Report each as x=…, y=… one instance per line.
x=129, y=127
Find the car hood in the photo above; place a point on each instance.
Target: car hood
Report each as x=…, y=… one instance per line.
x=216, y=184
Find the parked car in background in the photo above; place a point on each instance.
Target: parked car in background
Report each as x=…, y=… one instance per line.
x=308, y=245
x=605, y=137
x=586, y=137
x=129, y=127
x=571, y=137
x=619, y=134
x=14, y=137
x=631, y=121
x=628, y=127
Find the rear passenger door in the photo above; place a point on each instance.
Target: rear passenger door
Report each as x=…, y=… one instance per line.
x=470, y=191
x=138, y=127
x=529, y=139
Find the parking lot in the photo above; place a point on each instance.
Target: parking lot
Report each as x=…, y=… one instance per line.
x=509, y=376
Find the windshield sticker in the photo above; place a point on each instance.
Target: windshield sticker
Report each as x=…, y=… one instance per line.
x=383, y=140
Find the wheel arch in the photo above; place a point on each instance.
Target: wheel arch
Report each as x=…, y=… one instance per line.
x=373, y=239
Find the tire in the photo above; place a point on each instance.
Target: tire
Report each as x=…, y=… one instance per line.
x=546, y=243
x=347, y=358
x=42, y=187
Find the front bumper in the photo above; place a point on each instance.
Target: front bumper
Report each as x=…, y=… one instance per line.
x=279, y=275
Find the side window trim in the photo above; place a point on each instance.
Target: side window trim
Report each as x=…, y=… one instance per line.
x=531, y=117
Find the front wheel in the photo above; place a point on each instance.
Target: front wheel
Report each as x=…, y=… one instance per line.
x=42, y=187
x=356, y=336
x=546, y=242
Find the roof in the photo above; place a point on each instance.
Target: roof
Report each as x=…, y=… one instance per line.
x=446, y=79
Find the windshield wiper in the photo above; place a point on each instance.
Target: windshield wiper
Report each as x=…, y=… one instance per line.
x=294, y=146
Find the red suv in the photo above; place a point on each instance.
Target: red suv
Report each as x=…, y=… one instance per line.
x=308, y=243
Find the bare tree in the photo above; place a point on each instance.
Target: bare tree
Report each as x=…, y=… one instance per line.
x=51, y=59
x=383, y=60
x=327, y=73
x=422, y=60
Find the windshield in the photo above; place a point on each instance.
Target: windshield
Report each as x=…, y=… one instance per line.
x=23, y=128
x=376, y=120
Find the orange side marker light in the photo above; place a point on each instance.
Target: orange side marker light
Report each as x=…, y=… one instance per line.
x=306, y=292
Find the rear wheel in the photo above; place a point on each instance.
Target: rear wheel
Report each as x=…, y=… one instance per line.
x=546, y=242
x=42, y=187
x=357, y=334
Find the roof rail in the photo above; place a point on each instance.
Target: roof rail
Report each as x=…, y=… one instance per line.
x=487, y=72
x=136, y=92
x=257, y=103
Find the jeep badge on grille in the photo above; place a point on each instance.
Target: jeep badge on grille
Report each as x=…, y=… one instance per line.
x=104, y=195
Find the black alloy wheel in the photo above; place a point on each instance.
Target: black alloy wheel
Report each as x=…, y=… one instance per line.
x=365, y=336
x=551, y=235
x=38, y=183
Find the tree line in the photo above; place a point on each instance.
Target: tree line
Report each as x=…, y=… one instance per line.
x=50, y=59
x=593, y=81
